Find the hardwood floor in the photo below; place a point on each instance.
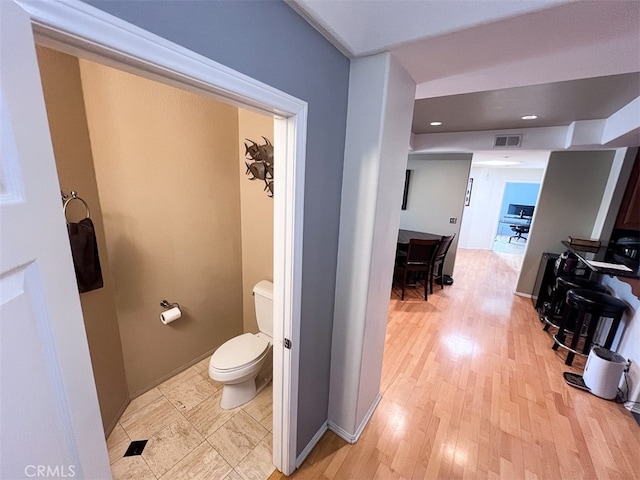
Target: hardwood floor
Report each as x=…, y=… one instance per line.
x=472, y=389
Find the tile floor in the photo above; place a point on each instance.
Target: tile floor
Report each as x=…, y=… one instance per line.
x=190, y=436
x=502, y=244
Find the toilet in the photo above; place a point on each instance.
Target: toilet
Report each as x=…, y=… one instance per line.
x=244, y=363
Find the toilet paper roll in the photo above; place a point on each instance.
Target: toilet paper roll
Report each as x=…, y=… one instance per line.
x=170, y=315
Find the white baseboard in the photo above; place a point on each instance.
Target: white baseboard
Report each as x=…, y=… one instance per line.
x=631, y=383
x=632, y=407
x=521, y=294
x=353, y=437
x=312, y=443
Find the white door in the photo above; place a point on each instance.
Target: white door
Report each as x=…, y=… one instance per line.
x=49, y=416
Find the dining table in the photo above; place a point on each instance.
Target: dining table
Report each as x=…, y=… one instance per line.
x=404, y=236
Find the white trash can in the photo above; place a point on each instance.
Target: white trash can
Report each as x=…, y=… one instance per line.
x=603, y=371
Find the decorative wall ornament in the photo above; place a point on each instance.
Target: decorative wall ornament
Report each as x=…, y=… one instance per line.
x=261, y=165
x=467, y=196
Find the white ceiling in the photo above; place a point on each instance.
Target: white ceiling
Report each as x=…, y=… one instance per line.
x=365, y=27
x=489, y=48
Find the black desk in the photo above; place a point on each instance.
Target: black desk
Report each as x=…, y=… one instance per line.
x=601, y=254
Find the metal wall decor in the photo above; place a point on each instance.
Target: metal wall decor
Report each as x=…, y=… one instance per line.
x=260, y=166
x=467, y=195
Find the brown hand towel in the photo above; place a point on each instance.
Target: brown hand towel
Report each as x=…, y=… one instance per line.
x=84, y=249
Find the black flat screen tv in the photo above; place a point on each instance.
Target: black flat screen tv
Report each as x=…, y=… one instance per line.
x=520, y=210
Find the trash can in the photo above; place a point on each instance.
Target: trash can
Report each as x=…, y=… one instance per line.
x=603, y=371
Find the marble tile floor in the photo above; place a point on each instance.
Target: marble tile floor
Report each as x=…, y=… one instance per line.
x=190, y=436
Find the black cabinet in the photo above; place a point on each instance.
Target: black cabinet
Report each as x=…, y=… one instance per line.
x=629, y=213
x=545, y=280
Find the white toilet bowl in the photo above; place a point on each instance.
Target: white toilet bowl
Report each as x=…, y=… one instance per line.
x=244, y=363
x=237, y=363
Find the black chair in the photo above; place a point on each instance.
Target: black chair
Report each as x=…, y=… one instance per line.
x=585, y=309
x=554, y=310
x=419, y=259
x=520, y=230
x=438, y=261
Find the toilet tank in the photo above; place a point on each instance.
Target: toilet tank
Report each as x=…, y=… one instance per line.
x=263, y=301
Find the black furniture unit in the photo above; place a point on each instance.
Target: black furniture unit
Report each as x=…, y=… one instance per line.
x=545, y=280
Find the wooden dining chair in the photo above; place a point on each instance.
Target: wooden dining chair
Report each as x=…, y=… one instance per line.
x=419, y=258
x=438, y=261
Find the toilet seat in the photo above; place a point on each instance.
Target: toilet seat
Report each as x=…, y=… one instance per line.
x=239, y=352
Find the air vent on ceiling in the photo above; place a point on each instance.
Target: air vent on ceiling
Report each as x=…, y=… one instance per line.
x=508, y=141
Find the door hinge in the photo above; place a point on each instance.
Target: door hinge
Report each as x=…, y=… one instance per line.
x=287, y=343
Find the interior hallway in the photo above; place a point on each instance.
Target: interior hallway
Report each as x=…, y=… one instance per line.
x=471, y=388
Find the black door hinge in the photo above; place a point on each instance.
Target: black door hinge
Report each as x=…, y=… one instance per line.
x=287, y=343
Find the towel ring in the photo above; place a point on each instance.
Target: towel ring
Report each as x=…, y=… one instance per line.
x=74, y=196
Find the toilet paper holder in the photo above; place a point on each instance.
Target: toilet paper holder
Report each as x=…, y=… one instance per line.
x=167, y=305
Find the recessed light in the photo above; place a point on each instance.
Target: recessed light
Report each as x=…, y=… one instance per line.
x=435, y=124
x=529, y=117
x=498, y=163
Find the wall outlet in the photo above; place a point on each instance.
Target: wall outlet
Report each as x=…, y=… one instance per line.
x=453, y=220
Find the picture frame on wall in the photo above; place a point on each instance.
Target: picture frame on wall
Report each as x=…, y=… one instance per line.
x=405, y=195
x=467, y=196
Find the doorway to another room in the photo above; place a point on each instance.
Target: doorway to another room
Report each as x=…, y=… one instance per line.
x=501, y=191
x=515, y=218
x=162, y=170
x=170, y=64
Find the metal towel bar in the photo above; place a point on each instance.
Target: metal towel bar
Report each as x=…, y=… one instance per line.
x=68, y=199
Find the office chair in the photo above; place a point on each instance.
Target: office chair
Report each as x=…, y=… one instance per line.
x=520, y=230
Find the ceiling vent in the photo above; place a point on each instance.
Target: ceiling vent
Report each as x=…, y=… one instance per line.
x=507, y=141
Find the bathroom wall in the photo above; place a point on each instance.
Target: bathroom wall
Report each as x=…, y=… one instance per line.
x=60, y=75
x=257, y=216
x=167, y=173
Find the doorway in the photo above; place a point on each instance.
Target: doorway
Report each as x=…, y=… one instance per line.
x=144, y=54
x=515, y=217
x=163, y=173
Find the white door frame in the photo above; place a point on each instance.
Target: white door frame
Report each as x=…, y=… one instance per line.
x=82, y=30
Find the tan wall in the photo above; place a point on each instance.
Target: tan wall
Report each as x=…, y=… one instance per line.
x=67, y=121
x=257, y=217
x=166, y=166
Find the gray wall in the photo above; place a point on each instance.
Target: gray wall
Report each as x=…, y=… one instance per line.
x=271, y=43
x=436, y=193
x=568, y=204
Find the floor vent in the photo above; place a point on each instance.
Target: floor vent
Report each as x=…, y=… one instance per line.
x=508, y=141
x=135, y=448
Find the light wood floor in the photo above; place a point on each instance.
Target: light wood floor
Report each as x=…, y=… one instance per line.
x=472, y=389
